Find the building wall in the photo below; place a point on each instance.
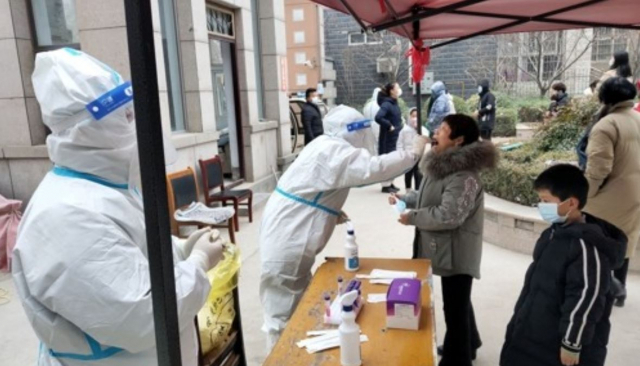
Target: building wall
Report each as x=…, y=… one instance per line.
x=311, y=46
x=357, y=76
x=102, y=33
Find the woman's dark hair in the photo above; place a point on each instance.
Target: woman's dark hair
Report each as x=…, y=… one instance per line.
x=621, y=64
x=388, y=88
x=462, y=125
x=616, y=90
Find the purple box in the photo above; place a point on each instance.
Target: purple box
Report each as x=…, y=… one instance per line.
x=404, y=304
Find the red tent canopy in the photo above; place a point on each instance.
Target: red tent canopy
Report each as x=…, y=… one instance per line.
x=463, y=19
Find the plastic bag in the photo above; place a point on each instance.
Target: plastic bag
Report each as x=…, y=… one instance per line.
x=216, y=318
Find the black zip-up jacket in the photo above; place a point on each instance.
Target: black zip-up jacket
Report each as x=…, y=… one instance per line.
x=566, y=300
x=312, y=122
x=388, y=116
x=486, y=107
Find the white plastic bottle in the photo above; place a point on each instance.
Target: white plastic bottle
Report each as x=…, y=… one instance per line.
x=351, y=259
x=349, y=332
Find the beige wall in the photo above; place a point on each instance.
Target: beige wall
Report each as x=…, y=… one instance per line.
x=311, y=28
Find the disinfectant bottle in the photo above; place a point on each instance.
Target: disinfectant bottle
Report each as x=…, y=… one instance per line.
x=349, y=332
x=351, y=260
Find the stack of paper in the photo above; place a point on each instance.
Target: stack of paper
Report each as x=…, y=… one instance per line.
x=384, y=277
x=323, y=340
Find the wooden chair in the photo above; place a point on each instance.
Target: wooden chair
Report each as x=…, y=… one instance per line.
x=182, y=189
x=212, y=179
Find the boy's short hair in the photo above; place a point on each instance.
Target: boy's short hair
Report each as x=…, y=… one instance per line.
x=309, y=91
x=564, y=181
x=559, y=86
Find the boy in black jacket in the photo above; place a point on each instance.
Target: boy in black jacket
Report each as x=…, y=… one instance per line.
x=562, y=315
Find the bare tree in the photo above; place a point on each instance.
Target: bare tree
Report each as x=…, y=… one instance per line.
x=543, y=57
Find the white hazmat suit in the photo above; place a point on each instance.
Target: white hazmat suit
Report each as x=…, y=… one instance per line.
x=303, y=211
x=370, y=110
x=80, y=264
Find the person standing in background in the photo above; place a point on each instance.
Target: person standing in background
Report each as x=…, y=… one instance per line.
x=613, y=168
x=486, y=113
x=407, y=135
x=559, y=98
x=440, y=107
x=618, y=66
x=311, y=116
x=389, y=117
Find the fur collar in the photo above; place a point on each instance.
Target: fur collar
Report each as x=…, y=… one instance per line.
x=473, y=157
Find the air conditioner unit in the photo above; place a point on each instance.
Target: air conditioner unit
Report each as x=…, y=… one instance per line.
x=385, y=65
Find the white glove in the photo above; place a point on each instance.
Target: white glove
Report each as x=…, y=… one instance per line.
x=186, y=246
x=419, y=143
x=207, y=251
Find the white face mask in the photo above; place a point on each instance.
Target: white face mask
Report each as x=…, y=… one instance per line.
x=479, y=89
x=399, y=92
x=611, y=62
x=316, y=100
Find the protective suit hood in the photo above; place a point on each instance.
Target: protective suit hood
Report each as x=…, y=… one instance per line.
x=99, y=138
x=350, y=125
x=437, y=89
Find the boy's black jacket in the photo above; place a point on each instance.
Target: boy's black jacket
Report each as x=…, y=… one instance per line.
x=566, y=300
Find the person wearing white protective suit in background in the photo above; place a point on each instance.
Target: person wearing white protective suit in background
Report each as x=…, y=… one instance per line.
x=80, y=264
x=370, y=110
x=303, y=211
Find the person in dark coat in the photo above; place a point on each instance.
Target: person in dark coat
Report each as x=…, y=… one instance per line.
x=486, y=113
x=562, y=314
x=559, y=99
x=311, y=117
x=389, y=117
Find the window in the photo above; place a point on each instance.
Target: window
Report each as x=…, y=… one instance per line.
x=298, y=15
x=533, y=54
x=220, y=22
x=607, y=41
x=298, y=37
x=171, y=48
x=55, y=22
x=357, y=38
x=301, y=58
x=301, y=79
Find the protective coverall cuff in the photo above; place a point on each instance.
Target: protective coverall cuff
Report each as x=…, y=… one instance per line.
x=199, y=259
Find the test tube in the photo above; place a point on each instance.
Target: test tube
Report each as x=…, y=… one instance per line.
x=327, y=305
x=340, y=285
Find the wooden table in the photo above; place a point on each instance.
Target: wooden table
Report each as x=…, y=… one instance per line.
x=386, y=347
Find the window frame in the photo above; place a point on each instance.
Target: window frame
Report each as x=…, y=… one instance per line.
x=304, y=54
x=37, y=48
x=305, y=79
x=611, y=38
x=364, y=38
x=225, y=11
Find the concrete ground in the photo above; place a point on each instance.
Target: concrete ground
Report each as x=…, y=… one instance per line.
x=379, y=235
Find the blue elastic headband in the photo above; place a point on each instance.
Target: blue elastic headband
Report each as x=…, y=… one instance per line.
x=359, y=125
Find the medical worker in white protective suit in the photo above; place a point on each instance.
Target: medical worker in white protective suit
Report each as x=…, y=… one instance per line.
x=80, y=264
x=370, y=110
x=306, y=206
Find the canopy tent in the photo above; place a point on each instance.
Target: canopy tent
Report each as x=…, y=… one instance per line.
x=458, y=20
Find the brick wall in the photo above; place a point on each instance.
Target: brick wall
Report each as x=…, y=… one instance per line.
x=356, y=83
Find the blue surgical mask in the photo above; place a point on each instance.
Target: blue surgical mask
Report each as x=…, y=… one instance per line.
x=549, y=213
x=400, y=206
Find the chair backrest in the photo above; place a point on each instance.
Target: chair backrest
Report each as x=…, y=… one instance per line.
x=212, y=174
x=182, y=190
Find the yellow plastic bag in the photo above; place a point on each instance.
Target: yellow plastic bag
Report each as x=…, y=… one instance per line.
x=216, y=318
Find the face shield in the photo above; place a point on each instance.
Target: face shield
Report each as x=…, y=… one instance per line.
x=349, y=124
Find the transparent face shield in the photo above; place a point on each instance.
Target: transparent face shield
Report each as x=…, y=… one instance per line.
x=359, y=134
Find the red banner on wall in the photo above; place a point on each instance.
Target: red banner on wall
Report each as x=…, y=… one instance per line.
x=284, y=77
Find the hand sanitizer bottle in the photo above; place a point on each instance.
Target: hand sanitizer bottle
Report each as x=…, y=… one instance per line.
x=349, y=332
x=351, y=260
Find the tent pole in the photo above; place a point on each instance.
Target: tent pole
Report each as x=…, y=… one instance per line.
x=416, y=37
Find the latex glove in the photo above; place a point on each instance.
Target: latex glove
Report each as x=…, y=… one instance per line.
x=207, y=251
x=569, y=358
x=419, y=143
x=342, y=218
x=185, y=247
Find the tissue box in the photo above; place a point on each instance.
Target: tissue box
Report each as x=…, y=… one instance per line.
x=404, y=304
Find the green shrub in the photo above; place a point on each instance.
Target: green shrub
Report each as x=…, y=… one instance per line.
x=506, y=120
x=513, y=179
x=564, y=131
x=531, y=113
x=461, y=106
x=472, y=103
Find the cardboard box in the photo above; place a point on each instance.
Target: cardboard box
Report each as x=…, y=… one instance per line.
x=404, y=304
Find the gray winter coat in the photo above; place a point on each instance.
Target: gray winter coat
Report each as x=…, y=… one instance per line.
x=448, y=213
